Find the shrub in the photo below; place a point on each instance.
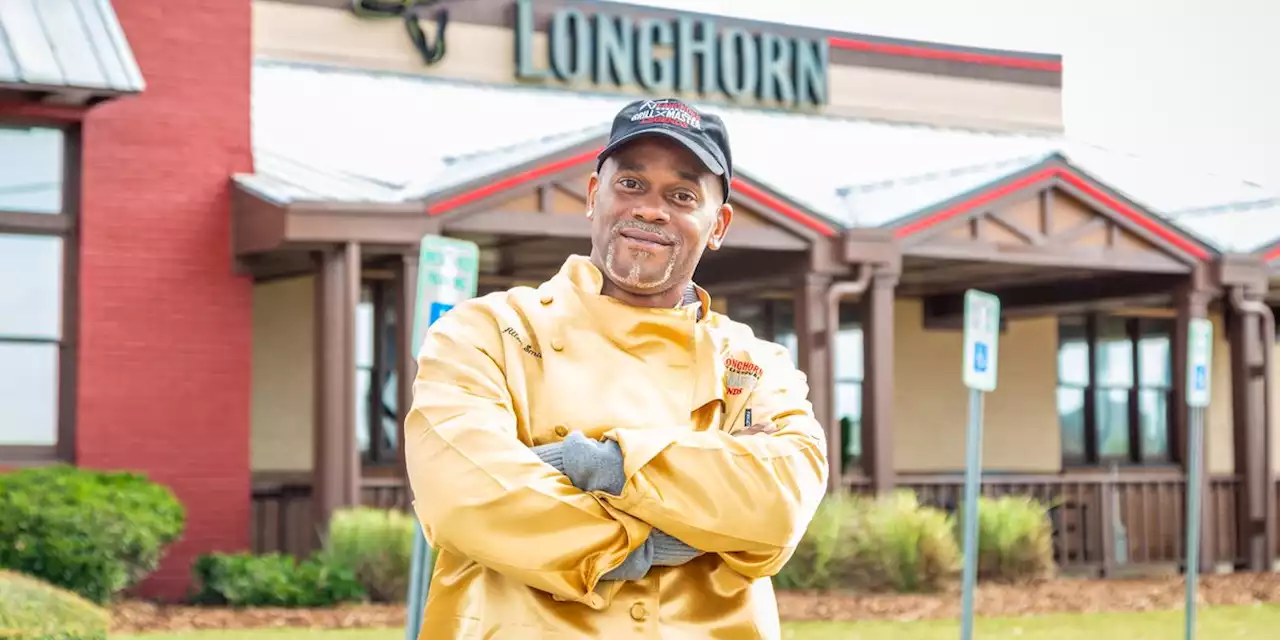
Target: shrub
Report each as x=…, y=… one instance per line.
x=824, y=545
x=895, y=544
x=31, y=609
x=377, y=546
x=1015, y=539
x=93, y=532
x=273, y=580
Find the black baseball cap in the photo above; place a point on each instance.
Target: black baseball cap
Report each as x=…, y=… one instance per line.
x=702, y=133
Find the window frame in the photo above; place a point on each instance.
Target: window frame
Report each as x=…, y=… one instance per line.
x=380, y=294
x=66, y=226
x=1135, y=329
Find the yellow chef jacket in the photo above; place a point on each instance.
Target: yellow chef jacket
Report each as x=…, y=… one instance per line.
x=521, y=550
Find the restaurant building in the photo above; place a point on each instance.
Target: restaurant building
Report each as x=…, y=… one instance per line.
x=225, y=313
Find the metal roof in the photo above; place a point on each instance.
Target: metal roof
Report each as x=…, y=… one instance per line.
x=283, y=180
x=1242, y=227
x=421, y=135
x=51, y=45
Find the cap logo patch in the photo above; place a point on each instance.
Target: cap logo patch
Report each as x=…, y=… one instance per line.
x=668, y=112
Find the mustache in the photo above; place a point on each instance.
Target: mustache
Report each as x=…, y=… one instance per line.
x=647, y=227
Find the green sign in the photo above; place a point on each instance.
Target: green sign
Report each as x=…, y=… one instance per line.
x=448, y=271
x=681, y=55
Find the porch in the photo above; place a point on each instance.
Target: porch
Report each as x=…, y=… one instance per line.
x=1097, y=289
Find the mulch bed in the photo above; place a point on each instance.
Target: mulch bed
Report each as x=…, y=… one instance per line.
x=1055, y=596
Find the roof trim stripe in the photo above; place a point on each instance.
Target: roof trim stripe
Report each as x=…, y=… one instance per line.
x=1143, y=220
x=510, y=182
x=1272, y=253
x=908, y=51
x=982, y=197
x=755, y=193
x=1070, y=177
x=525, y=177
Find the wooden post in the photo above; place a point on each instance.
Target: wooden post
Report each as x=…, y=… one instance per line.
x=877, y=381
x=813, y=345
x=1254, y=500
x=336, y=462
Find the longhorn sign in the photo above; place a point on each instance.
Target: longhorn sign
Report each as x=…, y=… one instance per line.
x=412, y=11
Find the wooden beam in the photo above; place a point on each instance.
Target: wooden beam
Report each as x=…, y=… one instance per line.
x=746, y=267
x=1051, y=256
x=1001, y=219
x=1035, y=299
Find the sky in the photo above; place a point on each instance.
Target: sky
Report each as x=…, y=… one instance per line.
x=1191, y=80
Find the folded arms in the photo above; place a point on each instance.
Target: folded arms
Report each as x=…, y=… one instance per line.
x=643, y=497
x=476, y=484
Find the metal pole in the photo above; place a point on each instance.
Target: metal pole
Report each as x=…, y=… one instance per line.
x=419, y=583
x=972, y=482
x=1193, y=517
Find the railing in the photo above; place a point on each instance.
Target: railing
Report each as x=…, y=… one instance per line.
x=1147, y=507
x=1102, y=522
x=282, y=519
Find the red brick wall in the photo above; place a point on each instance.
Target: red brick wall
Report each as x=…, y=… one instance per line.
x=165, y=323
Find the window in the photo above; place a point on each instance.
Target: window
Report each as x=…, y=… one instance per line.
x=377, y=413
x=775, y=320
x=37, y=278
x=1114, y=386
x=849, y=389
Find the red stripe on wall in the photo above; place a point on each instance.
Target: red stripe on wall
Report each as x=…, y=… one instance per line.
x=909, y=51
x=1139, y=218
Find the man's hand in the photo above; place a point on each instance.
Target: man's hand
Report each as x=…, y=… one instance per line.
x=593, y=465
x=756, y=428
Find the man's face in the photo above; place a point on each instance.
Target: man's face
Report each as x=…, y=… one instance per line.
x=654, y=209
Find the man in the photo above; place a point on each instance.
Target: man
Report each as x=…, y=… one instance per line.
x=604, y=456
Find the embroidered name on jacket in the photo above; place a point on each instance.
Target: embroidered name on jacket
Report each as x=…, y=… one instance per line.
x=523, y=347
x=740, y=376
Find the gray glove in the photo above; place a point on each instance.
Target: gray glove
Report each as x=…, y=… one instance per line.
x=592, y=465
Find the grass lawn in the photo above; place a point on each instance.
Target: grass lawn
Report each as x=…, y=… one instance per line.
x=1214, y=624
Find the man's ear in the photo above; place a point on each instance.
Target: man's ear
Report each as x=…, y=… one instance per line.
x=724, y=215
x=593, y=186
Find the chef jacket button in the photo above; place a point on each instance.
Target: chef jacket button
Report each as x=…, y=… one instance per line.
x=638, y=611
x=557, y=344
x=562, y=430
x=595, y=601
x=546, y=298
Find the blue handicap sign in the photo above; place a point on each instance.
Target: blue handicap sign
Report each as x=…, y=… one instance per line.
x=980, y=357
x=1201, y=377
x=438, y=309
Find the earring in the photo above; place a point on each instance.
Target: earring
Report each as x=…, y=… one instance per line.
x=588, y=213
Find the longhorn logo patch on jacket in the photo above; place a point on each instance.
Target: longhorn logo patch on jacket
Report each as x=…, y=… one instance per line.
x=740, y=376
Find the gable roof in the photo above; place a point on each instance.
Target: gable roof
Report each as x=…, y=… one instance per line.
x=403, y=138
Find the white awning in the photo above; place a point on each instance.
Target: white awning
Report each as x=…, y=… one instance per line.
x=72, y=48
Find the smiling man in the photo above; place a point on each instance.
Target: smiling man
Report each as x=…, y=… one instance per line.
x=647, y=466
